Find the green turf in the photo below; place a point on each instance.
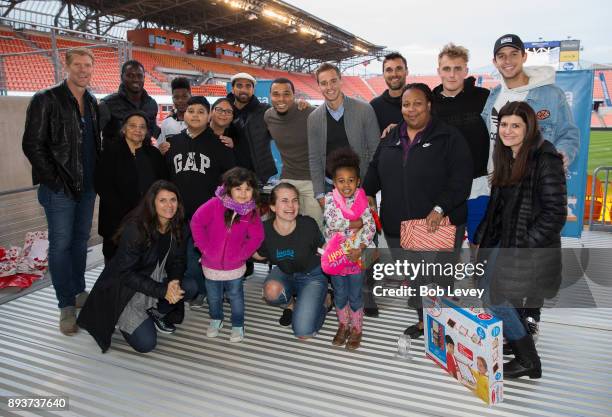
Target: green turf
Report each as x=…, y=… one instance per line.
x=600, y=150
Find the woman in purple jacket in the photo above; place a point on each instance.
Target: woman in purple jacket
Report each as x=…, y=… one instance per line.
x=227, y=230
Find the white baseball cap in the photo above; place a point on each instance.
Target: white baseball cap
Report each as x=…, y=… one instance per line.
x=243, y=76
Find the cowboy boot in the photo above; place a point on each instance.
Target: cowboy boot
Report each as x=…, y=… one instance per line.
x=354, y=339
x=343, y=326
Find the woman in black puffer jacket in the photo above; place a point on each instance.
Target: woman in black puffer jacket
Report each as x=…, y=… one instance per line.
x=520, y=235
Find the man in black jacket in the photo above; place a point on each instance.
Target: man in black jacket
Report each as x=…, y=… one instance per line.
x=388, y=106
x=252, y=149
x=62, y=142
x=459, y=103
x=131, y=96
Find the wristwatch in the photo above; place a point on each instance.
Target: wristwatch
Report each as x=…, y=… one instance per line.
x=438, y=210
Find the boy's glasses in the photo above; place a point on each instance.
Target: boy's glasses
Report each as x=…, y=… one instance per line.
x=219, y=110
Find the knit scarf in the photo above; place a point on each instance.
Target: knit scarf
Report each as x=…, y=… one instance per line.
x=356, y=210
x=231, y=204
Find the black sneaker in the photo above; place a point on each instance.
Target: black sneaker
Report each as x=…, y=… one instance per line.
x=414, y=332
x=286, y=318
x=162, y=325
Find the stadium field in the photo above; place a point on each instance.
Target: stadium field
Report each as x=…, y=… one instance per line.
x=600, y=149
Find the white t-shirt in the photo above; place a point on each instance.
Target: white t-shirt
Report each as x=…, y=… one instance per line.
x=480, y=185
x=170, y=127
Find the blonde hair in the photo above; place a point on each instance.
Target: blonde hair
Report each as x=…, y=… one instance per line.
x=78, y=51
x=454, y=51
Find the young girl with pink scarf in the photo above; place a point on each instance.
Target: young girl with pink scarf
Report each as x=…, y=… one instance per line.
x=349, y=229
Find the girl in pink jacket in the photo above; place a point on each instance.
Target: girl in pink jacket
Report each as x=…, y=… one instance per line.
x=227, y=230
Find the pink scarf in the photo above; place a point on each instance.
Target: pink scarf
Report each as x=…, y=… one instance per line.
x=360, y=204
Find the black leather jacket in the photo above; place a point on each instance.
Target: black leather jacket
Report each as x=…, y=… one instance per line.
x=53, y=139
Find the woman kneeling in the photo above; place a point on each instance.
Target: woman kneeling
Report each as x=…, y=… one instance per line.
x=291, y=244
x=142, y=287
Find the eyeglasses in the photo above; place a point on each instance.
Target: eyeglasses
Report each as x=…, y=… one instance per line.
x=219, y=110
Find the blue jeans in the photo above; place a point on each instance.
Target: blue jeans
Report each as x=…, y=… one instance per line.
x=235, y=293
x=144, y=338
x=69, y=224
x=347, y=289
x=194, y=269
x=310, y=288
x=514, y=329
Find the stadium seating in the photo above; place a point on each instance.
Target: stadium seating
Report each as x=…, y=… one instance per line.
x=31, y=69
x=211, y=90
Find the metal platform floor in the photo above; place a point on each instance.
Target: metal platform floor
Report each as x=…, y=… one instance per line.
x=273, y=374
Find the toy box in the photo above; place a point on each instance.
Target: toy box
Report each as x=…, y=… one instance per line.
x=468, y=343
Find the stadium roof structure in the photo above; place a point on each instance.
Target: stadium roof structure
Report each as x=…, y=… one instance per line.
x=271, y=32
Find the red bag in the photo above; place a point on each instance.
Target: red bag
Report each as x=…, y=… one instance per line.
x=414, y=236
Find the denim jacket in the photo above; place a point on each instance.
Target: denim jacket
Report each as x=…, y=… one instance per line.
x=550, y=104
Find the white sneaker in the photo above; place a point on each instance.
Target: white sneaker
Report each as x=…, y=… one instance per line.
x=214, y=327
x=237, y=334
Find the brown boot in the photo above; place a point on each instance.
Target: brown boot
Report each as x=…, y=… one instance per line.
x=341, y=335
x=67, y=322
x=354, y=340
x=343, y=326
x=80, y=299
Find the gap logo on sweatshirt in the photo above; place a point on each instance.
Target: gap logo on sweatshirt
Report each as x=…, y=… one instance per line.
x=193, y=162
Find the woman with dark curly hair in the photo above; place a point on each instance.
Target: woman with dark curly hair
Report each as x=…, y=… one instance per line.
x=142, y=287
x=423, y=169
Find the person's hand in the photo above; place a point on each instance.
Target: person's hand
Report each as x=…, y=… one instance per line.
x=302, y=104
x=372, y=203
x=164, y=147
x=354, y=254
x=356, y=224
x=154, y=141
x=433, y=221
x=322, y=202
x=387, y=130
x=174, y=292
x=227, y=141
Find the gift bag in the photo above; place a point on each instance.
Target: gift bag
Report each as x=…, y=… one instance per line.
x=414, y=236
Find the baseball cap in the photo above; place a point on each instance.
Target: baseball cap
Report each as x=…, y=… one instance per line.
x=508, y=40
x=243, y=76
x=199, y=100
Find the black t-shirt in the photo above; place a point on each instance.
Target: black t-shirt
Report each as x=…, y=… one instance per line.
x=296, y=252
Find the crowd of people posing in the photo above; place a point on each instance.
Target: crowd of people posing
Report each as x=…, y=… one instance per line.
x=181, y=215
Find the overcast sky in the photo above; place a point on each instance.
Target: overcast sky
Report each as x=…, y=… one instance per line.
x=418, y=29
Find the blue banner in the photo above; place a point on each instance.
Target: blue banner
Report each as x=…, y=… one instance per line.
x=578, y=88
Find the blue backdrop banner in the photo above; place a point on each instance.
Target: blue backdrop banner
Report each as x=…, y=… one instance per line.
x=578, y=88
